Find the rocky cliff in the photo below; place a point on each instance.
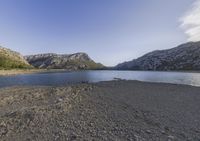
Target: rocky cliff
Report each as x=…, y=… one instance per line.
x=183, y=57
x=11, y=60
x=77, y=61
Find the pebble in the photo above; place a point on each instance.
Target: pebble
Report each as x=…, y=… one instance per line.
x=170, y=138
x=60, y=99
x=3, y=130
x=163, y=132
x=148, y=131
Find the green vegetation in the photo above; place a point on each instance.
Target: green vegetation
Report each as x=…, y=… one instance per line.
x=12, y=60
x=8, y=63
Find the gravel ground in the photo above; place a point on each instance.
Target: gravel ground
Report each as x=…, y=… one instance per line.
x=115, y=110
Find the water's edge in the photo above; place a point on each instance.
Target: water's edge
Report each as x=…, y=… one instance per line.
x=90, y=76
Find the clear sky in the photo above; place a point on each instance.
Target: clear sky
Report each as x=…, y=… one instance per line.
x=110, y=31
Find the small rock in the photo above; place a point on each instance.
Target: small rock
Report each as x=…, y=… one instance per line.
x=73, y=137
x=166, y=128
x=163, y=132
x=170, y=138
x=3, y=130
x=136, y=137
x=148, y=131
x=60, y=99
x=91, y=124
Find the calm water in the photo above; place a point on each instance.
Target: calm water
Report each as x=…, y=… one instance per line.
x=63, y=78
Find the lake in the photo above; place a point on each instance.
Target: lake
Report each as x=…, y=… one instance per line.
x=63, y=78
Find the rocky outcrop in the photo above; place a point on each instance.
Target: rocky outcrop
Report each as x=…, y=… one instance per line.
x=183, y=57
x=77, y=61
x=10, y=59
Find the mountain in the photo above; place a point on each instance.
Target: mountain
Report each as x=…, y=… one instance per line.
x=77, y=61
x=11, y=60
x=183, y=57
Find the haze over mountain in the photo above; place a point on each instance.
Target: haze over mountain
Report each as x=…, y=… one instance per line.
x=183, y=57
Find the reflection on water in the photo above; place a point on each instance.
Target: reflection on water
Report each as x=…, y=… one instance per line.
x=63, y=78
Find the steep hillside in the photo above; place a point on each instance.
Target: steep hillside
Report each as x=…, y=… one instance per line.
x=77, y=61
x=12, y=60
x=183, y=57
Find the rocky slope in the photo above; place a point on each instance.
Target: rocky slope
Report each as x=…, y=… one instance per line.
x=183, y=57
x=77, y=61
x=10, y=59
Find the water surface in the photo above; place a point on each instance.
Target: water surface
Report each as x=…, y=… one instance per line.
x=63, y=78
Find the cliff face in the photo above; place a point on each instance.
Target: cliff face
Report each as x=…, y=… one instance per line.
x=10, y=59
x=77, y=61
x=183, y=57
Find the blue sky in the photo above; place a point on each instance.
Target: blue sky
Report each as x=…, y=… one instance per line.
x=110, y=31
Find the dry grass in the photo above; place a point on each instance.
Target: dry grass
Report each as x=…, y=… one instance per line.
x=19, y=71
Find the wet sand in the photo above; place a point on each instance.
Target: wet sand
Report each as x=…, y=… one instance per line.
x=115, y=110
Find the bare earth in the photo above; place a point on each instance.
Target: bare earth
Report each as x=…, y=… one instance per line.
x=116, y=110
x=27, y=71
x=20, y=71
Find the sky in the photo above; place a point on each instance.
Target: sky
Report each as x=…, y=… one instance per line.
x=109, y=31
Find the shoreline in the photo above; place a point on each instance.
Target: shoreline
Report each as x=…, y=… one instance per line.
x=181, y=71
x=32, y=71
x=28, y=71
x=112, y=110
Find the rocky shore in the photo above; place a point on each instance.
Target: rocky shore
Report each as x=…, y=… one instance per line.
x=115, y=110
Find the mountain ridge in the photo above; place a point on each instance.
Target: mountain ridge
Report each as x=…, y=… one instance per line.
x=183, y=57
x=75, y=61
